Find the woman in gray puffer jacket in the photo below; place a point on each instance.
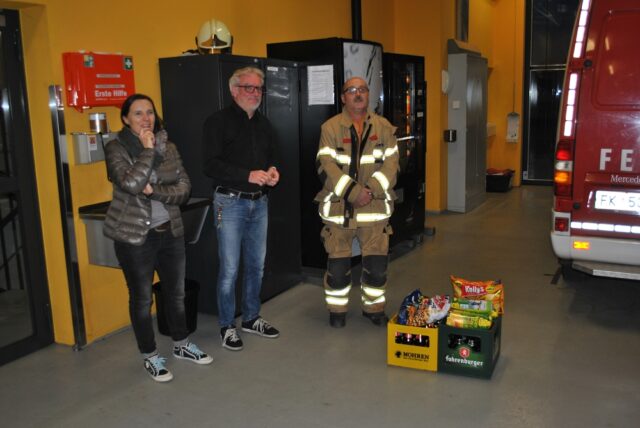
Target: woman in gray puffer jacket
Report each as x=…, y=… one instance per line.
x=144, y=220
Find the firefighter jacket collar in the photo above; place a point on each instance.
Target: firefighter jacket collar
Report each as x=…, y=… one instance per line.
x=346, y=121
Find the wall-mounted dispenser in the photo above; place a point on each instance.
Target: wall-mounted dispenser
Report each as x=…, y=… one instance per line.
x=87, y=147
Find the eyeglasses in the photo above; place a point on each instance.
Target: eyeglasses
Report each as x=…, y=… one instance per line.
x=352, y=90
x=251, y=89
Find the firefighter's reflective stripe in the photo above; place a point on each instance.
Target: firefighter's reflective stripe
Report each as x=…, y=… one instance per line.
x=337, y=297
x=382, y=179
x=367, y=302
x=371, y=217
x=372, y=295
x=338, y=219
x=378, y=155
x=342, y=184
x=372, y=292
x=326, y=206
x=360, y=217
x=367, y=160
x=340, y=159
x=326, y=151
x=343, y=159
x=391, y=151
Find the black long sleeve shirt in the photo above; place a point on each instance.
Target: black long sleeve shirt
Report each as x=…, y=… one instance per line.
x=234, y=145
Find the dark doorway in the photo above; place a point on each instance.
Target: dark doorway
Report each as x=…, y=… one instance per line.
x=25, y=319
x=549, y=26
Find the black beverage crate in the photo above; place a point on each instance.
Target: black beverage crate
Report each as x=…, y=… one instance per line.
x=469, y=351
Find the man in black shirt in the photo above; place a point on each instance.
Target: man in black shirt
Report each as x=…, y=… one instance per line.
x=239, y=155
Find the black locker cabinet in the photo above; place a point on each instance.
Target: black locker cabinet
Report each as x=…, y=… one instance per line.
x=194, y=87
x=405, y=107
x=347, y=58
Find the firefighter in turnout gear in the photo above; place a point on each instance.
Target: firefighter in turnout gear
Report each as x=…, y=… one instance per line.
x=358, y=165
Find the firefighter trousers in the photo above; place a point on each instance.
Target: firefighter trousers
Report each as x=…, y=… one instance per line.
x=374, y=245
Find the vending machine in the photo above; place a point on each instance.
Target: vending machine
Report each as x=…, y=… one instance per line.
x=328, y=63
x=195, y=86
x=405, y=101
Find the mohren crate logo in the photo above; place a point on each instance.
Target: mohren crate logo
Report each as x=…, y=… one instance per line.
x=414, y=356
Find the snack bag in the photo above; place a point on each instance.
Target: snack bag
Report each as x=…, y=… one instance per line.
x=492, y=291
x=406, y=314
x=476, y=307
x=438, y=308
x=457, y=319
x=422, y=312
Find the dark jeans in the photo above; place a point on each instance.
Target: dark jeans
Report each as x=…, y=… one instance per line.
x=166, y=255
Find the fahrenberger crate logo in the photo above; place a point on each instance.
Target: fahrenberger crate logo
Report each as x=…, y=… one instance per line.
x=464, y=353
x=414, y=356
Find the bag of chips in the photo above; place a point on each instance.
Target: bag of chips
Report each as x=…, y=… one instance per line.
x=492, y=291
x=418, y=310
x=406, y=315
x=438, y=308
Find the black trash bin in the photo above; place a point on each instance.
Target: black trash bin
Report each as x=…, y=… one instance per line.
x=191, y=289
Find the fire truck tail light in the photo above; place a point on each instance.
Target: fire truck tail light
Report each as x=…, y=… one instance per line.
x=561, y=224
x=564, y=166
x=563, y=152
x=562, y=177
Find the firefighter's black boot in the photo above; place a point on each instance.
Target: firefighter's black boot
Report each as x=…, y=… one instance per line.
x=377, y=318
x=337, y=319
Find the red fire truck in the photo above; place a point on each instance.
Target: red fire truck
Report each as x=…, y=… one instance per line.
x=596, y=212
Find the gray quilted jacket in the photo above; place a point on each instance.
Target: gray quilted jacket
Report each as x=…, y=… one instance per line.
x=130, y=167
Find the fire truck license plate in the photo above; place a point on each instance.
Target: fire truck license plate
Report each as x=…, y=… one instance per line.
x=617, y=201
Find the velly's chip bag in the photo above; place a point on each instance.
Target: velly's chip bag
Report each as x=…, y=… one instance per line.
x=492, y=291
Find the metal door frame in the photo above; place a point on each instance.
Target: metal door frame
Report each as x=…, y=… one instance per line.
x=16, y=116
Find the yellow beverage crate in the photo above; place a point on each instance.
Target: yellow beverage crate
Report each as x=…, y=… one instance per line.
x=412, y=347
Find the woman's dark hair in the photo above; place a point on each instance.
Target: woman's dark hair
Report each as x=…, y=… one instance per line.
x=126, y=106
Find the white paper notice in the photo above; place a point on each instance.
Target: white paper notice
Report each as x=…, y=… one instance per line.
x=320, y=84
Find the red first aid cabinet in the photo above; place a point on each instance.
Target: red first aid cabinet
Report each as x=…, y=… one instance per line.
x=97, y=79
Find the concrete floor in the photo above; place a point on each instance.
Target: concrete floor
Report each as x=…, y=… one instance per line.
x=569, y=352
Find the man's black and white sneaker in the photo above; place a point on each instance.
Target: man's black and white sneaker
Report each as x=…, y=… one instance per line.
x=230, y=339
x=156, y=369
x=191, y=352
x=261, y=327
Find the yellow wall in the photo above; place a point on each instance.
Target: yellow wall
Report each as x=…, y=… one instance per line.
x=480, y=24
x=506, y=82
x=422, y=27
x=151, y=29
x=38, y=71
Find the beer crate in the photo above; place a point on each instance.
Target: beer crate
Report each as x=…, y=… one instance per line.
x=412, y=347
x=469, y=351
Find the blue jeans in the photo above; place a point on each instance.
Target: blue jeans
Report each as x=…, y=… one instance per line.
x=241, y=226
x=164, y=253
